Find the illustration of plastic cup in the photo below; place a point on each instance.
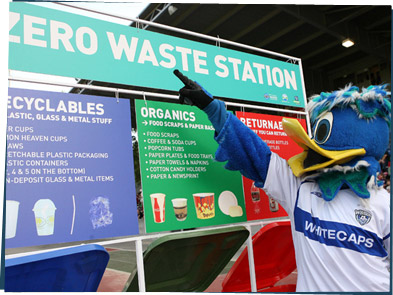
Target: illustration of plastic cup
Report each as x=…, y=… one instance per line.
x=180, y=208
x=158, y=205
x=44, y=212
x=204, y=205
x=11, y=218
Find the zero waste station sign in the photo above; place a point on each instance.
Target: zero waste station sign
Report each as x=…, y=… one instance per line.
x=54, y=42
x=183, y=187
x=70, y=171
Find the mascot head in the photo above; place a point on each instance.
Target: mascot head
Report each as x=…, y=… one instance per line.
x=350, y=133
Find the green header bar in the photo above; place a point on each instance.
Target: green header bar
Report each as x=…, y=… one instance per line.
x=54, y=42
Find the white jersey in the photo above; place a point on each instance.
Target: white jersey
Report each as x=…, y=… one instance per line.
x=341, y=245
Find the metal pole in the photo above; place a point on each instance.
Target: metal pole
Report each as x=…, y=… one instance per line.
x=265, y=108
x=145, y=237
x=251, y=263
x=140, y=266
x=3, y=127
x=142, y=93
x=93, y=87
x=305, y=100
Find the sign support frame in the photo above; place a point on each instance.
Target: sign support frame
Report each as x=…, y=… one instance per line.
x=140, y=265
x=138, y=239
x=144, y=94
x=251, y=262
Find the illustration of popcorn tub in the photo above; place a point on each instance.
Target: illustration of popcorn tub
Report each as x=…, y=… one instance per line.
x=44, y=212
x=204, y=205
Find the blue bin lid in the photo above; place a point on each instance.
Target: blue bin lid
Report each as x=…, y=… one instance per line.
x=76, y=269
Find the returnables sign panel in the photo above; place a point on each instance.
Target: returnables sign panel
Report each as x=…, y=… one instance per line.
x=70, y=171
x=183, y=186
x=269, y=128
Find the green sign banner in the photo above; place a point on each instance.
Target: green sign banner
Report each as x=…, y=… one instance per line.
x=54, y=42
x=182, y=185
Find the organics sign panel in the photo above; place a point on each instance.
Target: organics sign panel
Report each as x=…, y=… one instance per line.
x=183, y=186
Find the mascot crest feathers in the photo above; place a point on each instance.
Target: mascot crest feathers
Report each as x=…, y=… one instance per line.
x=350, y=133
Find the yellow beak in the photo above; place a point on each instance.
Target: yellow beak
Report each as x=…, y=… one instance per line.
x=296, y=132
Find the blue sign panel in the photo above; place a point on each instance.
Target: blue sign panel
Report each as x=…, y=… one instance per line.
x=70, y=170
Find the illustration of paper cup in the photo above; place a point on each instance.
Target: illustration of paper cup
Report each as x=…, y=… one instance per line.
x=180, y=208
x=204, y=205
x=44, y=212
x=11, y=218
x=158, y=205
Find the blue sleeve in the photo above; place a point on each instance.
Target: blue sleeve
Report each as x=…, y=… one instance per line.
x=217, y=114
x=243, y=150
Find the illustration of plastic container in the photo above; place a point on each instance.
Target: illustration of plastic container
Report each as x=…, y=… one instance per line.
x=204, y=205
x=255, y=193
x=273, y=205
x=100, y=213
x=44, y=211
x=11, y=218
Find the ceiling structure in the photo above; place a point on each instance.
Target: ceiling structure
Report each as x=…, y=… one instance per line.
x=313, y=33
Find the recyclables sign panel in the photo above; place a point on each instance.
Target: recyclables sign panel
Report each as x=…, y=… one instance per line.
x=70, y=171
x=54, y=42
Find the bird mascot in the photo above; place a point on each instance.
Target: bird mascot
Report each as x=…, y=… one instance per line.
x=340, y=215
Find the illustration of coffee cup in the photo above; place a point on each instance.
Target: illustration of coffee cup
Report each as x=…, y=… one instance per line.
x=11, y=218
x=204, y=205
x=44, y=212
x=158, y=205
x=180, y=208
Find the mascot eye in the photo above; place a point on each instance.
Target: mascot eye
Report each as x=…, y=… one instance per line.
x=323, y=127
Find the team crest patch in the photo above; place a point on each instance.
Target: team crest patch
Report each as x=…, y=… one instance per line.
x=318, y=194
x=362, y=216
